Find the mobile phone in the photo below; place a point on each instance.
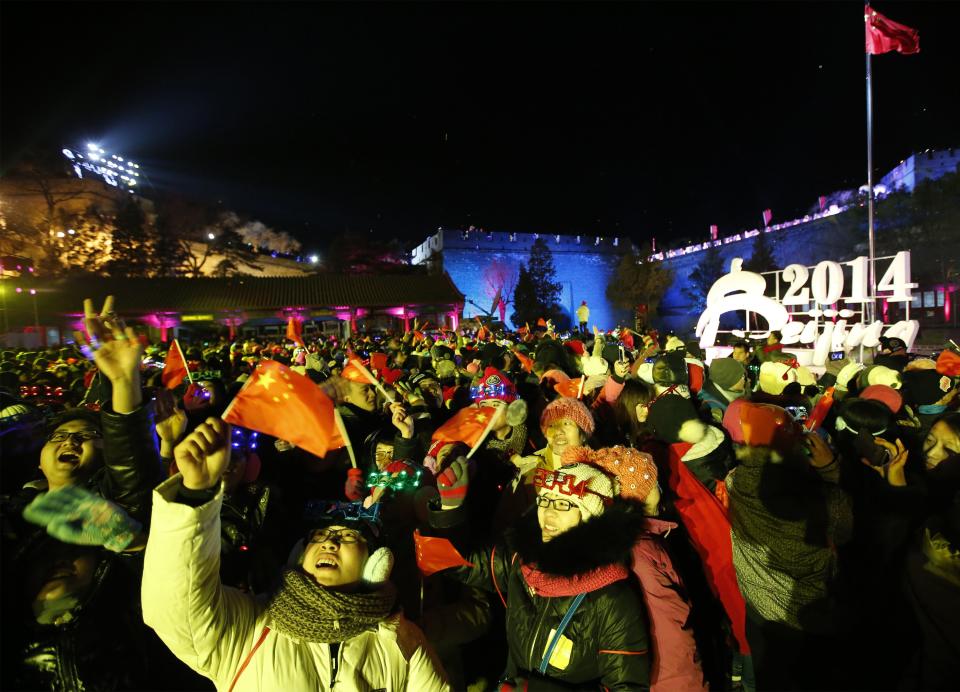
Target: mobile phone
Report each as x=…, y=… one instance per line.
x=650, y=359
x=837, y=355
x=623, y=355
x=868, y=448
x=798, y=413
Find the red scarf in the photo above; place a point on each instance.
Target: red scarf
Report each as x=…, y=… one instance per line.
x=551, y=585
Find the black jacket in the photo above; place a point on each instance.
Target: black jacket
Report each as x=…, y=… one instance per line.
x=608, y=632
x=98, y=642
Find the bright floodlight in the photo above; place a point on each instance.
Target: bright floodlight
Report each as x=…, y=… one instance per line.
x=211, y=236
x=314, y=259
x=92, y=147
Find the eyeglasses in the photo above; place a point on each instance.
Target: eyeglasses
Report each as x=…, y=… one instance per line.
x=559, y=503
x=80, y=435
x=339, y=536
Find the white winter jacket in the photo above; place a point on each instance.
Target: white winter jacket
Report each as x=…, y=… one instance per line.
x=227, y=635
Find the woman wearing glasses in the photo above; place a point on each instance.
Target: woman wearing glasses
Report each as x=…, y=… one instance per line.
x=573, y=617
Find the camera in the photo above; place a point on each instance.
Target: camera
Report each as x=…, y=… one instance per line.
x=837, y=355
x=868, y=448
x=798, y=413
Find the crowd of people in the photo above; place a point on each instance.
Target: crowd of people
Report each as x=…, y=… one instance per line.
x=519, y=510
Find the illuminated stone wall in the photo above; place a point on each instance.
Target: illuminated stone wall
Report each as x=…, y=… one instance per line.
x=584, y=264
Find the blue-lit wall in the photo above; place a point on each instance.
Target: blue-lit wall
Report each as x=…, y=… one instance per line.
x=584, y=265
x=805, y=244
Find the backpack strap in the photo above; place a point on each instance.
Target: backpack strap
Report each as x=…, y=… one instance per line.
x=560, y=628
x=243, y=667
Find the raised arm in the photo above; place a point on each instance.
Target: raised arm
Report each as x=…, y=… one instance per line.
x=206, y=625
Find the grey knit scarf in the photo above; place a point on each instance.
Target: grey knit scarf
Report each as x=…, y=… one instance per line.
x=305, y=611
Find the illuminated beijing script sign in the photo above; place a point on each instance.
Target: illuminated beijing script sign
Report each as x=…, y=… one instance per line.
x=836, y=321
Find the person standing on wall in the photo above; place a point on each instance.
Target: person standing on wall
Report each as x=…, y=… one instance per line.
x=583, y=316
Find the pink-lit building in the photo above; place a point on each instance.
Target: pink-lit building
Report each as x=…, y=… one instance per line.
x=248, y=306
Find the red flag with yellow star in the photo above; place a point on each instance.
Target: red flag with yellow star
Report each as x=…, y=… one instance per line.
x=570, y=388
x=280, y=402
x=467, y=426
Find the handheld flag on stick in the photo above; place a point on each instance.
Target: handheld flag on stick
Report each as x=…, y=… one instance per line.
x=436, y=554
x=469, y=425
x=359, y=367
x=281, y=402
x=295, y=331
x=175, y=368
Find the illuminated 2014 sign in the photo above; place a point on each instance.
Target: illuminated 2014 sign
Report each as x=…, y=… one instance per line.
x=830, y=328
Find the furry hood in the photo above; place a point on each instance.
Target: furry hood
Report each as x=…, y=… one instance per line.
x=600, y=541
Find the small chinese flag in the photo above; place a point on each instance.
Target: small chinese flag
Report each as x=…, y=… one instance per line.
x=885, y=35
x=948, y=363
x=820, y=411
x=353, y=370
x=294, y=331
x=378, y=361
x=767, y=217
x=418, y=335
x=524, y=329
x=390, y=376
x=436, y=554
x=627, y=338
x=483, y=334
x=174, y=367
x=280, y=402
x=570, y=388
x=541, y=322
x=467, y=426
x=526, y=362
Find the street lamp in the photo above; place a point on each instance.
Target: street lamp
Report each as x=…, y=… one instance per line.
x=36, y=315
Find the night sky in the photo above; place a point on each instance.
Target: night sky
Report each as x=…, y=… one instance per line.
x=626, y=119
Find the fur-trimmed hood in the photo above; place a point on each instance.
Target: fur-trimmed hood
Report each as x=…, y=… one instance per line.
x=597, y=542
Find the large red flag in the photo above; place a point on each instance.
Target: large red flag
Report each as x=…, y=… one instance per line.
x=466, y=426
x=436, y=554
x=627, y=338
x=295, y=331
x=707, y=524
x=174, y=367
x=885, y=35
x=283, y=403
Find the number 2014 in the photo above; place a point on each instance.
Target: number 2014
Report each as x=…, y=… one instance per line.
x=827, y=282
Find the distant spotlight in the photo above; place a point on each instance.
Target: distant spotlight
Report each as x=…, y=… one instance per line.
x=33, y=291
x=60, y=234
x=314, y=259
x=91, y=146
x=71, y=231
x=211, y=236
x=68, y=153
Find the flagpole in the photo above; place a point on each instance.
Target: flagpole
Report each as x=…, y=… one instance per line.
x=871, y=273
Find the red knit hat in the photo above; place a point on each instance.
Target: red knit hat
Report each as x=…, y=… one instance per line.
x=567, y=407
x=635, y=471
